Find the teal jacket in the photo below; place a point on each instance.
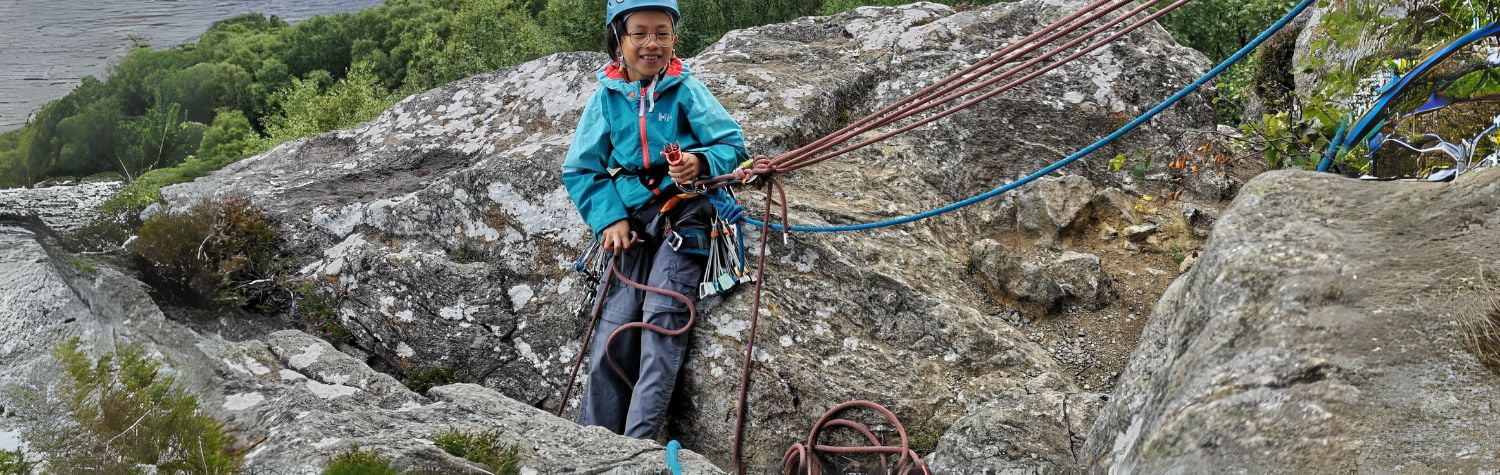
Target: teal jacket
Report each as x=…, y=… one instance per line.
x=620, y=117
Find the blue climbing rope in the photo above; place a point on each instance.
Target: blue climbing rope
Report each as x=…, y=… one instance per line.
x=1376, y=115
x=673, y=464
x=1080, y=154
x=1333, y=147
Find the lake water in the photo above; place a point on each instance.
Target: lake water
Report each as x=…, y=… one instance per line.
x=48, y=46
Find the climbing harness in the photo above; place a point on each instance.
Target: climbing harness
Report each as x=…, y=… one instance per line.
x=762, y=170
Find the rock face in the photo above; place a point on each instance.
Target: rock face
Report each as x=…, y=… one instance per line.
x=300, y=398
x=1320, y=331
x=443, y=224
x=61, y=208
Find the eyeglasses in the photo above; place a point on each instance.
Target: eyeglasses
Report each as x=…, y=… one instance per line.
x=641, y=39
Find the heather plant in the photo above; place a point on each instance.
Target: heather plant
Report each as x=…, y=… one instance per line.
x=317, y=313
x=425, y=378
x=221, y=251
x=116, y=414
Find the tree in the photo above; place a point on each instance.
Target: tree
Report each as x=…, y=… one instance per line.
x=485, y=35
x=136, y=77
x=306, y=111
x=88, y=140
x=160, y=138
x=206, y=87
x=578, y=24
x=228, y=139
x=13, y=165
x=320, y=42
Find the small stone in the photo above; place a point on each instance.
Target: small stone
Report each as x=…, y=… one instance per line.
x=1187, y=262
x=1139, y=233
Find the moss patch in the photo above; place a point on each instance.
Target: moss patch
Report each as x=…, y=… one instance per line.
x=483, y=448
x=359, y=462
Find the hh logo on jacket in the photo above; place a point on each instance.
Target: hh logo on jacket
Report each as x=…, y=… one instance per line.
x=663, y=117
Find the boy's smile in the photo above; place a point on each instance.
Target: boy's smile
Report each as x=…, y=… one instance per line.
x=647, y=44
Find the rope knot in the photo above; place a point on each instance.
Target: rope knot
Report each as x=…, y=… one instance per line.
x=753, y=168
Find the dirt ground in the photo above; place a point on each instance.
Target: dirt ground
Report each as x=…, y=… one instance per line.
x=1095, y=345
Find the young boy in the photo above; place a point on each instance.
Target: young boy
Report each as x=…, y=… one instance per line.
x=648, y=100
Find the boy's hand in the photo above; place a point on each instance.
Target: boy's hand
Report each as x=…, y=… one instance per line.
x=616, y=238
x=685, y=171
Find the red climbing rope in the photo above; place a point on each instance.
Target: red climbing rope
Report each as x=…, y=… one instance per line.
x=804, y=456
x=939, y=93
x=985, y=66
x=760, y=280
x=766, y=168
x=799, y=162
x=588, y=336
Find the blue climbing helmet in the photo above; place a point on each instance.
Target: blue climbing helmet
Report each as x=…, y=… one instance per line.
x=618, y=8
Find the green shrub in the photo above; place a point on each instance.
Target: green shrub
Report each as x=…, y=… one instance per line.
x=116, y=413
x=483, y=448
x=223, y=251
x=423, y=379
x=127, y=203
x=1285, y=140
x=229, y=138
x=15, y=462
x=99, y=234
x=318, y=314
x=308, y=109
x=359, y=462
x=81, y=265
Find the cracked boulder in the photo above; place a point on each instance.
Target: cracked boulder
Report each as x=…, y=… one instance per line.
x=1048, y=206
x=1018, y=433
x=1312, y=338
x=1072, y=278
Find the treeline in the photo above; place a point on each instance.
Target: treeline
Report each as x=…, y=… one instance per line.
x=251, y=82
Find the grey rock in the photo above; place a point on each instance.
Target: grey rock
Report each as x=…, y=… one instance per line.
x=1081, y=279
x=1107, y=232
x=1188, y=259
x=1018, y=433
x=1113, y=203
x=1073, y=277
x=383, y=210
x=1309, y=338
x=296, y=398
x=1047, y=206
x=61, y=207
x=1140, y=232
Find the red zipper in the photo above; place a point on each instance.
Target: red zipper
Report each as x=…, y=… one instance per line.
x=645, y=157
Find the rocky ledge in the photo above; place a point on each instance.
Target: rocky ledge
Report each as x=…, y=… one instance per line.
x=1328, y=327
x=292, y=398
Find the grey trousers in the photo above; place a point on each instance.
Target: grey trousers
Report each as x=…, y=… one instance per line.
x=650, y=358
